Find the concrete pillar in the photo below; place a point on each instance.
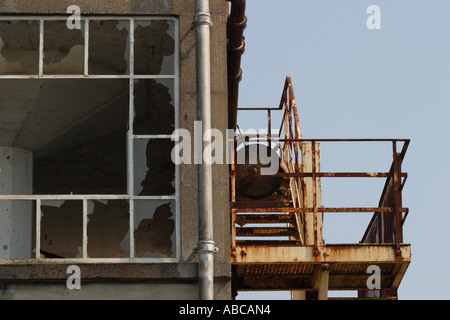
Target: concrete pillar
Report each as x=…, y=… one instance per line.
x=16, y=217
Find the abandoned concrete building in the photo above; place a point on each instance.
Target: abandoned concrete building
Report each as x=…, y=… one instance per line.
x=87, y=116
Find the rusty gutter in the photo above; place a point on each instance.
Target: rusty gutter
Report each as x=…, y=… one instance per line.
x=237, y=22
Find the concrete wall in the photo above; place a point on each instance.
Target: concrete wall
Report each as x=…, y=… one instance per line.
x=108, y=291
x=184, y=10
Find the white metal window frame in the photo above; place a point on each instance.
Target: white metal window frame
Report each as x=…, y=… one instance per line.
x=131, y=137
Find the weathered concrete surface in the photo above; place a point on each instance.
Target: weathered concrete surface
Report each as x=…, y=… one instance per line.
x=157, y=281
x=109, y=291
x=14, y=270
x=111, y=7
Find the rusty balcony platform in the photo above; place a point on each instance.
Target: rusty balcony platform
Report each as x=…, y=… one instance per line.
x=290, y=267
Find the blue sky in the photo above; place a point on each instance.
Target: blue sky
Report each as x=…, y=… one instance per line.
x=352, y=82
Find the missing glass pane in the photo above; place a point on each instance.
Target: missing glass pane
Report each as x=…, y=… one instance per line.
x=154, y=169
x=154, y=107
x=79, y=138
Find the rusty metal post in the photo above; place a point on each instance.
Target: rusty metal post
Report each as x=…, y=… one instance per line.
x=233, y=196
x=314, y=180
x=397, y=199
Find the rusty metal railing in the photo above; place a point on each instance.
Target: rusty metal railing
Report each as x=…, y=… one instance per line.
x=380, y=229
x=387, y=221
x=290, y=147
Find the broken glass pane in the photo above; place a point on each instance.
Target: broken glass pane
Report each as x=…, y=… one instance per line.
x=154, y=170
x=154, y=233
x=63, y=48
x=154, y=51
x=154, y=107
x=108, y=226
x=61, y=229
x=19, y=47
x=109, y=47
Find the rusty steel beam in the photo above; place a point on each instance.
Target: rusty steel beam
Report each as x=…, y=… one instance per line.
x=318, y=175
x=324, y=210
x=280, y=243
x=264, y=218
x=256, y=204
x=266, y=232
x=259, y=137
x=347, y=253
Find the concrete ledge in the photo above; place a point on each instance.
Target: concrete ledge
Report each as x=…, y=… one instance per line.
x=111, y=290
x=109, y=271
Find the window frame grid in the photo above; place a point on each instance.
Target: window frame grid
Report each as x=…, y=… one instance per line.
x=131, y=137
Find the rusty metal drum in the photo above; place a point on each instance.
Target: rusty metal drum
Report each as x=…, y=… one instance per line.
x=257, y=159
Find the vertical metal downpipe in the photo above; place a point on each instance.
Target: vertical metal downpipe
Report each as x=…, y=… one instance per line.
x=237, y=22
x=205, y=247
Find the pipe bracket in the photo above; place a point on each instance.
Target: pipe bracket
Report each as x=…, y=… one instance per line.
x=202, y=18
x=207, y=247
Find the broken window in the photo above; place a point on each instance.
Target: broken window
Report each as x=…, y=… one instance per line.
x=109, y=55
x=19, y=47
x=97, y=108
x=154, y=47
x=154, y=221
x=63, y=48
x=61, y=229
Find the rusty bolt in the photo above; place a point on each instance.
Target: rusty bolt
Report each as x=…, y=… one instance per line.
x=243, y=253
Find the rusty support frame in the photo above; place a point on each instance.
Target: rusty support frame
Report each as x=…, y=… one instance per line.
x=383, y=239
x=291, y=140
